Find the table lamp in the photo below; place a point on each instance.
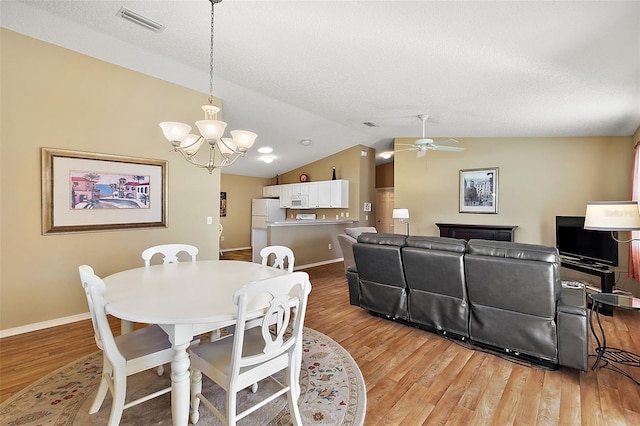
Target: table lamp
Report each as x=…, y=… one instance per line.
x=402, y=215
x=613, y=216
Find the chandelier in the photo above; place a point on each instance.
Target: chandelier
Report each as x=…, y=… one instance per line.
x=223, y=152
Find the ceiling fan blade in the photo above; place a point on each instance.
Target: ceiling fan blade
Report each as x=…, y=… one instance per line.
x=406, y=144
x=406, y=149
x=448, y=141
x=446, y=148
x=421, y=153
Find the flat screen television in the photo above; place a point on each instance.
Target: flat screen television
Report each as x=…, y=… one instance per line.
x=586, y=246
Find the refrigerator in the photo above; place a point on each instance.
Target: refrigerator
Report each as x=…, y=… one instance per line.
x=263, y=210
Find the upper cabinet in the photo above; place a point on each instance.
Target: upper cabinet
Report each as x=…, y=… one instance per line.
x=323, y=194
x=272, y=191
x=339, y=194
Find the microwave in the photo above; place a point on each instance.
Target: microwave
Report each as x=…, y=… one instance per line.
x=299, y=202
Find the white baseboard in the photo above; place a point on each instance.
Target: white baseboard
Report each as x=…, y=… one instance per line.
x=235, y=249
x=44, y=324
x=311, y=265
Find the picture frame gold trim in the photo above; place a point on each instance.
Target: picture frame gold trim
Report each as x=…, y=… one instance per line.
x=58, y=214
x=481, y=196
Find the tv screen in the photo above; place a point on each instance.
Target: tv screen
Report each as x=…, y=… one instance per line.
x=586, y=246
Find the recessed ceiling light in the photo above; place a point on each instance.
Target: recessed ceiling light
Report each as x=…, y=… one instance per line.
x=386, y=155
x=305, y=142
x=268, y=159
x=265, y=150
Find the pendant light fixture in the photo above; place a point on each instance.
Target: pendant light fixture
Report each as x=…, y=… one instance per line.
x=223, y=152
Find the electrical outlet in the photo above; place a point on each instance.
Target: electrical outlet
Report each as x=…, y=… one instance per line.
x=337, y=216
x=366, y=217
x=329, y=246
x=347, y=214
x=324, y=217
x=341, y=214
x=209, y=220
x=222, y=238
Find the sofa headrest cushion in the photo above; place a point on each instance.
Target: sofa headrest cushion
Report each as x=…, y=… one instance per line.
x=355, y=232
x=383, y=239
x=437, y=243
x=512, y=250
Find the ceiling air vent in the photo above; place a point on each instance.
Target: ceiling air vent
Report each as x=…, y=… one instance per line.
x=370, y=124
x=141, y=20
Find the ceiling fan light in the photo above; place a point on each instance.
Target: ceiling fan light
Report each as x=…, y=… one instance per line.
x=243, y=139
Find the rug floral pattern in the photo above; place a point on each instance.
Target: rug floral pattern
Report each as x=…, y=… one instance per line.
x=332, y=393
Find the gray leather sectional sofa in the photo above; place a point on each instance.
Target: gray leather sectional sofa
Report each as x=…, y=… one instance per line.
x=501, y=295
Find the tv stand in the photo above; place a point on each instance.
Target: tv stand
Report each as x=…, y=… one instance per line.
x=607, y=277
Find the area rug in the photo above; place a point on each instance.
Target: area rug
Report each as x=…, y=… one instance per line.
x=332, y=393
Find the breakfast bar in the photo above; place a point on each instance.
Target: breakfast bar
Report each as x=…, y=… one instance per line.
x=315, y=242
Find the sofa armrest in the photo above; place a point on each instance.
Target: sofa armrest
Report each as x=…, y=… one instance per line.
x=354, y=288
x=573, y=338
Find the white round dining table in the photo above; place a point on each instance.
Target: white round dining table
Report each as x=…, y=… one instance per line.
x=185, y=299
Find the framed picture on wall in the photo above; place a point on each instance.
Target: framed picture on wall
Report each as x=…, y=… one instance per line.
x=89, y=192
x=223, y=204
x=479, y=190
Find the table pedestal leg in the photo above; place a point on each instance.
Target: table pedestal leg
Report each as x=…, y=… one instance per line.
x=180, y=396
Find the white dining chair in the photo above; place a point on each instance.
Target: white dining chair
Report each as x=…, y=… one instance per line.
x=123, y=355
x=170, y=252
x=256, y=352
x=279, y=254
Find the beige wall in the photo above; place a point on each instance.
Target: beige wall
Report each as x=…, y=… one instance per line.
x=237, y=224
x=539, y=178
x=52, y=97
x=350, y=165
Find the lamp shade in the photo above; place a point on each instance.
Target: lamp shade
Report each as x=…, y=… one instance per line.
x=227, y=147
x=175, y=131
x=612, y=216
x=400, y=214
x=243, y=139
x=211, y=130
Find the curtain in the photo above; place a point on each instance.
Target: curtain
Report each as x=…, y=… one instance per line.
x=634, y=246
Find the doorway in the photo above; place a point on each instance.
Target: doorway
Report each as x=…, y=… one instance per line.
x=384, y=210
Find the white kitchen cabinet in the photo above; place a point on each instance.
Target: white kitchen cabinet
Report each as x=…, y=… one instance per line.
x=272, y=191
x=324, y=194
x=285, y=195
x=340, y=194
x=313, y=194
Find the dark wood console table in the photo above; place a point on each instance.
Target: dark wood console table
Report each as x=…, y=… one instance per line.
x=482, y=232
x=607, y=278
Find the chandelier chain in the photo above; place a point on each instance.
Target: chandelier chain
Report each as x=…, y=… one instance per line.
x=213, y=2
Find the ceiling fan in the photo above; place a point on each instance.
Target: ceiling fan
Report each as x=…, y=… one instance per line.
x=423, y=144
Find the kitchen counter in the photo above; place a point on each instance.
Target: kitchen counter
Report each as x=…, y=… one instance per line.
x=294, y=222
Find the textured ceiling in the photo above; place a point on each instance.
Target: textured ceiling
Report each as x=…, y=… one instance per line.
x=290, y=70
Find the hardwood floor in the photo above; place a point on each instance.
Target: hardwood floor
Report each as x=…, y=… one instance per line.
x=413, y=377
